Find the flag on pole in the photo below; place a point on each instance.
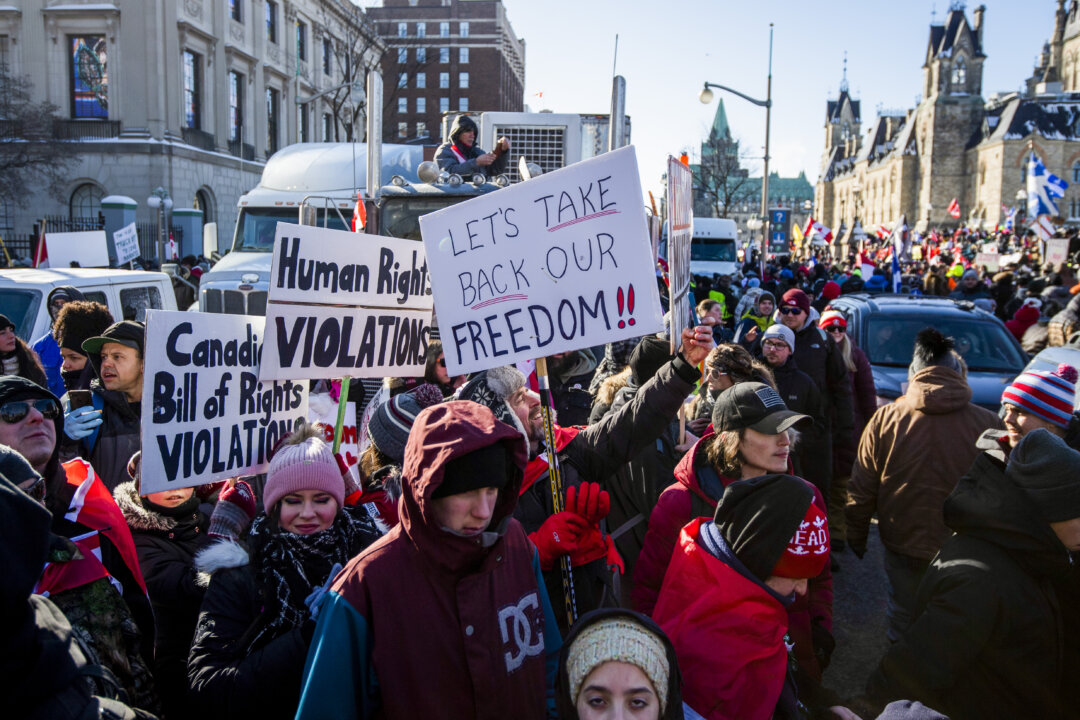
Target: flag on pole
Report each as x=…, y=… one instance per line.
x=882, y=232
x=814, y=227
x=1043, y=227
x=1042, y=187
x=359, y=216
x=1010, y=219
x=41, y=254
x=954, y=208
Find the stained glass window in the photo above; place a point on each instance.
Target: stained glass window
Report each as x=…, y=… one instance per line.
x=89, y=77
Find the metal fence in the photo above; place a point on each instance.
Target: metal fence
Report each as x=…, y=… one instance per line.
x=20, y=248
x=62, y=223
x=148, y=239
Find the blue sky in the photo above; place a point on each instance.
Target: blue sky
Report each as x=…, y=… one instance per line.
x=667, y=49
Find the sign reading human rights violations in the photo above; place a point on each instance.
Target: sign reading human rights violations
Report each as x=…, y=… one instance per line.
x=553, y=264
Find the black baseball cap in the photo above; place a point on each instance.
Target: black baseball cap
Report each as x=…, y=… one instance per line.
x=753, y=405
x=125, y=332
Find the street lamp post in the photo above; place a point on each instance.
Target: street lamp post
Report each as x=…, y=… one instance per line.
x=160, y=201
x=706, y=97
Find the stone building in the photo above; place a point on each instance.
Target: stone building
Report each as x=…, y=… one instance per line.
x=446, y=56
x=955, y=144
x=188, y=95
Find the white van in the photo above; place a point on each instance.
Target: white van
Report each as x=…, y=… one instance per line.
x=127, y=294
x=713, y=249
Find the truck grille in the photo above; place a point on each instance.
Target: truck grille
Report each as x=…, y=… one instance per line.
x=545, y=146
x=233, y=302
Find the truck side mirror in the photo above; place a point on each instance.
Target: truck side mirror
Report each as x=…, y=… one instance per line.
x=209, y=240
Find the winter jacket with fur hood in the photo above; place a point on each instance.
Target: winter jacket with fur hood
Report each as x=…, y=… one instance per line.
x=167, y=545
x=426, y=623
x=910, y=456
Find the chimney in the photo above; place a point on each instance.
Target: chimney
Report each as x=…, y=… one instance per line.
x=978, y=27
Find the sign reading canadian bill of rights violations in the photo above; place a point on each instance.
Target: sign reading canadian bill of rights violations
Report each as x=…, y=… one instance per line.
x=342, y=304
x=553, y=264
x=680, y=200
x=205, y=415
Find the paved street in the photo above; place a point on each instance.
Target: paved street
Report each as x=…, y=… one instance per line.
x=858, y=619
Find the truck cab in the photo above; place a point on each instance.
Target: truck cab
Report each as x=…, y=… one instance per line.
x=328, y=176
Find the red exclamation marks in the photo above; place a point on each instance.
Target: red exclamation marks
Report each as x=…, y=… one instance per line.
x=619, y=302
x=630, y=304
x=629, y=297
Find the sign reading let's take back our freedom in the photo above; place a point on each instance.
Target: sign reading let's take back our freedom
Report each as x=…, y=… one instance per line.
x=205, y=415
x=553, y=264
x=345, y=304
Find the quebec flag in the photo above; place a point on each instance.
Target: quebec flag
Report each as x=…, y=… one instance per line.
x=1042, y=188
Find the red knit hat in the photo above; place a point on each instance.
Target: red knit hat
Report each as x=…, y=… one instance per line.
x=830, y=318
x=831, y=290
x=808, y=550
x=796, y=298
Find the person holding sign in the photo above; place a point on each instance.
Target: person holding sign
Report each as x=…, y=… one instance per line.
x=447, y=615
x=255, y=623
x=461, y=156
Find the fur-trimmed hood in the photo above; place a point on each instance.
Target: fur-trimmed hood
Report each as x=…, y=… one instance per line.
x=138, y=516
x=224, y=554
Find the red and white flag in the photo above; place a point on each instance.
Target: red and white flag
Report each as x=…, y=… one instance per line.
x=359, y=216
x=882, y=232
x=41, y=254
x=813, y=226
x=954, y=208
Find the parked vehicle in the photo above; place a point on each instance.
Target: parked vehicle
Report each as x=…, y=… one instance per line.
x=127, y=294
x=713, y=249
x=1049, y=358
x=884, y=326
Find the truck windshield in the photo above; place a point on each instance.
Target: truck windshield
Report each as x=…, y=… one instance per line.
x=713, y=249
x=401, y=217
x=255, y=227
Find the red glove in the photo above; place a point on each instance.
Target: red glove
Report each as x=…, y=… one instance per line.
x=558, y=536
x=234, y=511
x=595, y=545
x=588, y=501
x=206, y=492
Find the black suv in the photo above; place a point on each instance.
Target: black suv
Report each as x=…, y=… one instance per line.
x=884, y=326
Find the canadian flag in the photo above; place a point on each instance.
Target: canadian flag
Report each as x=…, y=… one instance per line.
x=954, y=208
x=813, y=226
x=359, y=216
x=882, y=232
x=41, y=255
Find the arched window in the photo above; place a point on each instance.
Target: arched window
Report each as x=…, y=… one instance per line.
x=1076, y=172
x=85, y=201
x=959, y=76
x=204, y=202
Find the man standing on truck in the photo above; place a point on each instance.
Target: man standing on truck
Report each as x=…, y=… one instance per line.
x=461, y=156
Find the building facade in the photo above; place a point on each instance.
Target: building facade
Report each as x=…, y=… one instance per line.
x=188, y=95
x=446, y=56
x=954, y=144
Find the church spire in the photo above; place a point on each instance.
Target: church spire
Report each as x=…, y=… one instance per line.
x=843, y=81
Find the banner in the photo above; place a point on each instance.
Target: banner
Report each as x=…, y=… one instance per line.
x=680, y=202
x=126, y=240
x=85, y=249
x=554, y=264
x=342, y=304
x=992, y=261
x=1057, y=250
x=205, y=415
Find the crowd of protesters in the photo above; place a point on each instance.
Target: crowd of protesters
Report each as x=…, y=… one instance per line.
x=685, y=572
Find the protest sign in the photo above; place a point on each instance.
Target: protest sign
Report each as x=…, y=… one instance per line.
x=992, y=261
x=205, y=415
x=680, y=202
x=323, y=409
x=87, y=249
x=551, y=265
x=1057, y=250
x=126, y=240
x=345, y=305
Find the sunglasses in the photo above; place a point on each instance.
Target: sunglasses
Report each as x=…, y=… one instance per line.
x=717, y=371
x=790, y=311
x=441, y=362
x=774, y=344
x=15, y=411
x=836, y=329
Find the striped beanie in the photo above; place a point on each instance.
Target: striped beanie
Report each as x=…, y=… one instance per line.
x=1044, y=394
x=390, y=423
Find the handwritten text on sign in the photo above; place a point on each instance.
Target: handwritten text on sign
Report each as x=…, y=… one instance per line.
x=209, y=417
x=550, y=265
x=342, y=304
x=680, y=200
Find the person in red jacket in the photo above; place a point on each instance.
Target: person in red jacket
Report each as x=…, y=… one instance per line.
x=723, y=603
x=753, y=437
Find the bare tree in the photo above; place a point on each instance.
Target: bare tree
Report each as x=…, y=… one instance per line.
x=722, y=181
x=30, y=156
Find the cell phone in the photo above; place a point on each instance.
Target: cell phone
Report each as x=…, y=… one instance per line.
x=79, y=398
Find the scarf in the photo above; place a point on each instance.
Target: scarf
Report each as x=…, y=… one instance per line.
x=288, y=567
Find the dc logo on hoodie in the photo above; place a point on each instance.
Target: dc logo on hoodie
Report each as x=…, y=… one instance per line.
x=522, y=635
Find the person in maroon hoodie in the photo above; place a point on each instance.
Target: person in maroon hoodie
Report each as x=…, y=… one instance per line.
x=753, y=437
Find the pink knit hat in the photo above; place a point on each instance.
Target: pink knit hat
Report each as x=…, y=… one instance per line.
x=307, y=465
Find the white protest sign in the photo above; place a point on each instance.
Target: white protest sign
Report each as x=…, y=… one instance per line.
x=205, y=415
x=1057, y=250
x=88, y=249
x=992, y=261
x=323, y=409
x=345, y=304
x=126, y=240
x=554, y=264
x=680, y=202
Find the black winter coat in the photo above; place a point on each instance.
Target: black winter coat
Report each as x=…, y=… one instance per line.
x=987, y=641
x=811, y=454
x=119, y=436
x=594, y=455
x=166, y=547
x=226, y=680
